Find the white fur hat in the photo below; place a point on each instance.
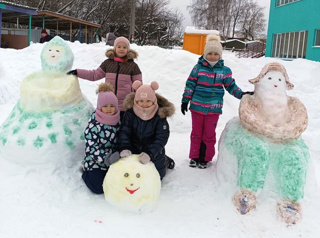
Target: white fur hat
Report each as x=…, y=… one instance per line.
x=213, y=44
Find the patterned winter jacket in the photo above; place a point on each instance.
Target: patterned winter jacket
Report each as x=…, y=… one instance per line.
x=205, y=87
x=100, y=139
x=149, y=136
x=120, y=75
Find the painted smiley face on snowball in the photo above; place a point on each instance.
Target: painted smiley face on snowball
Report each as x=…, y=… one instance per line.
x=273, y=81
x=56, y=55
x=132, y=186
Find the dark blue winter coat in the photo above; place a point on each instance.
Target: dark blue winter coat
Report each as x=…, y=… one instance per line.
x=149, y=136
x=100, y=139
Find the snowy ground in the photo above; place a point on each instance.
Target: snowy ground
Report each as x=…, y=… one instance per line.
x=49, y=200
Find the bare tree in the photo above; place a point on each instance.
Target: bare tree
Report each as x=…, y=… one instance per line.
x=154, y=22
x=228, y=16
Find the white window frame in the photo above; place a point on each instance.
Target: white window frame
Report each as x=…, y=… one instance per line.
x=317, y=38
x=285, y=2
x=281, y=50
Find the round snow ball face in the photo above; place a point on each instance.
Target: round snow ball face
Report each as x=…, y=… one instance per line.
x=53, y=55
x=132, y=186
x=273, y=81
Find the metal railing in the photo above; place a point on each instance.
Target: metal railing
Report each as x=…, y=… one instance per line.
x=254, y=50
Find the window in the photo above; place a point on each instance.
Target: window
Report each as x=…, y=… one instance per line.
x=284, y=2
x=317, y=41
x=291, y=44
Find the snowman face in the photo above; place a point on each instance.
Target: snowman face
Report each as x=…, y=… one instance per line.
x=56, y=56
x=131, y=185
x=273, y=81
x=53, y=55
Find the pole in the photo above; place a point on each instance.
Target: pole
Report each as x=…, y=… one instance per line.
x=133, y=19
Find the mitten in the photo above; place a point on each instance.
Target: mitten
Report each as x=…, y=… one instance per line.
x=184, y=107
x=111, y=158
x=125, y=153
x=144, y=158
x=73, y=72
x=250, y=93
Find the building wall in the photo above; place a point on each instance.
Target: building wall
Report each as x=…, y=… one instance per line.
x=297, y=16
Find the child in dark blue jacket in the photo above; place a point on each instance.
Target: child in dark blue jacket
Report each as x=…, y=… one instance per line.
x=145, y=129
x=101, y=137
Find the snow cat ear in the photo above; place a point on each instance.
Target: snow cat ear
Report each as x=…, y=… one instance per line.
x=136, y=84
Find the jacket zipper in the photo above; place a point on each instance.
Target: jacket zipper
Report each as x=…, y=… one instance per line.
x=116, y=82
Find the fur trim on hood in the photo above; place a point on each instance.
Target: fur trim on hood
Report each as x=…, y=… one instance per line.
x=132, y=54
x=166, y=108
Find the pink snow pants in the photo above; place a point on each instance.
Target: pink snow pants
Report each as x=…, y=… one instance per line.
x=203, y=129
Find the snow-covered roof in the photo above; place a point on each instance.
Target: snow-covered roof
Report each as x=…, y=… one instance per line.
x=231, y=40
x=17, y=5
x=193, y=30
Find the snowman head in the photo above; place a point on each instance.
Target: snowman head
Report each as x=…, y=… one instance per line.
x=57, y=56
x=273, y=77
x=132, y=186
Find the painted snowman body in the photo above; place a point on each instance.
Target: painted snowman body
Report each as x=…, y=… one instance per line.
x=50, y=117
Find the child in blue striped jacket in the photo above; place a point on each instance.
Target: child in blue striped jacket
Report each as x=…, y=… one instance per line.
x=205, y=90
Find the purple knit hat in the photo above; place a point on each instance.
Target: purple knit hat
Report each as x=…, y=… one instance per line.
x=122, y=39
x=103, y=99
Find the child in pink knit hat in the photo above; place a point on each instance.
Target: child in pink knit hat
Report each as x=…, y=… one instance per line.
x=145, y=129
x=119, y=69
x=101, y=138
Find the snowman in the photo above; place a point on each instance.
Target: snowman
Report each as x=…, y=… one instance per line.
x=49, y=119
x=132, y=186
x=266, y=145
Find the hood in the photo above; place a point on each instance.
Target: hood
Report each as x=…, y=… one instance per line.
x=132, y=54
x=166, y=108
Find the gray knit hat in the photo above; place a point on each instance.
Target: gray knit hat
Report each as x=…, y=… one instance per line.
x=212, y=44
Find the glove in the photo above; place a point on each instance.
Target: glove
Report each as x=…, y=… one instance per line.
x=144, y=158
x=111, y=158
x=250, y=93
x=184, y=107
x=125, y=153
x=73, y=72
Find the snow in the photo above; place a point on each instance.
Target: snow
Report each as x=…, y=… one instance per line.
x=194, y=30
x=49, y=200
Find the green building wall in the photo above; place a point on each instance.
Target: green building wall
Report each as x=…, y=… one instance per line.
x=297, y=16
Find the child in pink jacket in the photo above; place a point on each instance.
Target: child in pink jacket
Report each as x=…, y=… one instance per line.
x=119, y=69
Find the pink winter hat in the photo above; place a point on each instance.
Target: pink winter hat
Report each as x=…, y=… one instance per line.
x=122, y=39
x=145, y=91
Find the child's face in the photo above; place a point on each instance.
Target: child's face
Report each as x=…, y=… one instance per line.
x=145, y=103
x=109, y=109
x=213, y=56
x=121, y=50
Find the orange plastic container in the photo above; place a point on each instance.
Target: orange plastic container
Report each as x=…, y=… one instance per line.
x=194, y=42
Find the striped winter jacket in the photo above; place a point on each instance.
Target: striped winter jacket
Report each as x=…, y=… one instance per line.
x=205, y=87
x=120, y=75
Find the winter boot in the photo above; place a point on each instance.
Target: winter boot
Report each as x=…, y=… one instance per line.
x=244, y=200
x=203, y=164
x=289, y=211
x=169, y=162
x=193, y=163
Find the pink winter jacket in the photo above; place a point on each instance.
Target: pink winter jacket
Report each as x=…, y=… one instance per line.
x=120, y=75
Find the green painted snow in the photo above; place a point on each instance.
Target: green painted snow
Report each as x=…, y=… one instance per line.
x=53, y=138
x=21, y=142
x=256, y=155
x=38, y=142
